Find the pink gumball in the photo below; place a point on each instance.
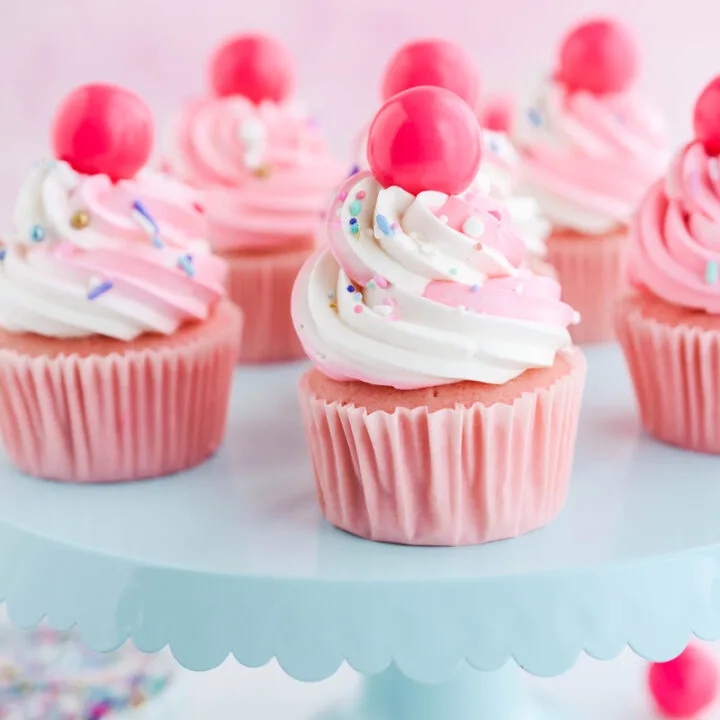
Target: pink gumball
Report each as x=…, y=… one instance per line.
x=435, y=62
x=599, y=56
x=257, y=67
x=497, y=113
x=683, y=687
x=425, y=138
x=706, y=119
x=103, y=129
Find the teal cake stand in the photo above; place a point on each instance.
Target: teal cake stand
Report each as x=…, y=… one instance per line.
x=234, y=557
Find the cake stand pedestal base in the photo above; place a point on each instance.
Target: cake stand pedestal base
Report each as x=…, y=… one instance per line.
x=469, y=695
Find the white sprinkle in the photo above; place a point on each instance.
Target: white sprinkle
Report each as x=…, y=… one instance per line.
x=474, y=227
x=575, y=318
x=444, y=219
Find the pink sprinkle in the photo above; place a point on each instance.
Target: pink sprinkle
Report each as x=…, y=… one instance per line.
x=381, y=282
x=394, y=226
x=360, y=195
x=358, y=309
x=342, y=196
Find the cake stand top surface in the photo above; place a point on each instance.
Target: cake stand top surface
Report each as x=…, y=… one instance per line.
x=235, y=557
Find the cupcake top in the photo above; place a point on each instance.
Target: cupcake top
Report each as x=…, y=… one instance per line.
x=675, y=239
x=422, y=284
x=100, y=247
x=261, y=163
x=499, y=177
x=591, y=147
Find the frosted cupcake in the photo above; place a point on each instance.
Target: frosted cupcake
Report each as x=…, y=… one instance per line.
x=590, y=149
x=116, y=345
x=437, y=356
x=669, y=324
x=265, y=174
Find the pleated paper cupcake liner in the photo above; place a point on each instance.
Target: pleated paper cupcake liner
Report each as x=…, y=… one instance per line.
x=261, y=285
x=591, y=272
x=457, y=476
x=676, y=373
x=127, y=415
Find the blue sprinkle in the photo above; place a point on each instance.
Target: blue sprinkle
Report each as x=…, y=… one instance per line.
x=475, y=288
x=494, y=147
x=353, y=221
x=355, y=207
x=351, y=288
x=358, y=296
x=37, y=233
x=3, y=254
x=384, y=224
x=185, y=262
x=101, y=289
x=157, y=242
x=354, y=229
x=711, y=272
x=534, y=117
x=354, y=170
x=137, y=205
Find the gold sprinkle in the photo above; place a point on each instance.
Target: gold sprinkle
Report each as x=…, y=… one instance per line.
x=263, y=171
x=80, y=220
x=333, y=306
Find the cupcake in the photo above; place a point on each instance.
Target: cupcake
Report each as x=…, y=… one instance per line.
x=265, y=175
x=443, y=404
x=590, y=149
x=669, y=322
x=117, y=346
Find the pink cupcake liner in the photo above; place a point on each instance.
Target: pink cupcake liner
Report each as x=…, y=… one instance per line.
x=261, y=285
x=127, y=415
x=591, y=272
x=460, y=476
x=676, y=374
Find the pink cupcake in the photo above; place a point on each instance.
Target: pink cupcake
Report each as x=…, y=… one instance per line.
x=116, y=345
x=590, y=150
x=669, y=324
x=265, y=175
x=444, y=401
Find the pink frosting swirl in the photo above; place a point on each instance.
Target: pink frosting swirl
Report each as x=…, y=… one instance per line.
x=675, y=241
x=117, y=259
x=588, y=158
x=265, y=171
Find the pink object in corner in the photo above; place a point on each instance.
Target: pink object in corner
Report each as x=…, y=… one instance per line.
x=490, y=465
x=102, y=410
x=686, y=685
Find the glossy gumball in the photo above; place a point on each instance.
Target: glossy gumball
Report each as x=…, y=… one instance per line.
x=255, y=66
x=435, y=62
x=103, y=129
x=599, y=56
x=685, y=686
x=425, y=138
x=706, y=118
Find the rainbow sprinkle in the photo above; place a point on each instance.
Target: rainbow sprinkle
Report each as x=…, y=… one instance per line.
x=185, y=262
x=99, y=290
x=145, y=220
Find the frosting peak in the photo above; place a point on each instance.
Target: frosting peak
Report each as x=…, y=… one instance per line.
x=589, y=158
x=91, y=257
x=675, y=242
x=423, y=290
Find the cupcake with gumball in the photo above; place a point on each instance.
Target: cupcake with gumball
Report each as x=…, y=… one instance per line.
x=117, y=344
x=442, y=63
x=265, y=173
x=443, y=403
x=590, y=148
x=669, y=322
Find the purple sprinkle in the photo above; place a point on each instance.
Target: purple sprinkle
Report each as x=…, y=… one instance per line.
x=139, y=207
x=3, y=254
x=101, y=289
x=475, y=288
x=354, y=170
x=353, y=221
x=351, y=288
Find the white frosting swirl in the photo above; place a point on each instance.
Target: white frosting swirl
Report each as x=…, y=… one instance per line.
x=499, y=178
x=427, y=291
x=80, y=262
x=588, y=159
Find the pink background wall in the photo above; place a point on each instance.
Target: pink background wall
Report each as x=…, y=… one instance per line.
x=158, y=47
